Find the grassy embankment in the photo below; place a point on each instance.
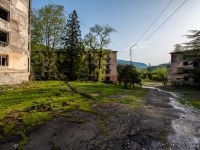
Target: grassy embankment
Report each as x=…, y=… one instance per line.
x=26, y=106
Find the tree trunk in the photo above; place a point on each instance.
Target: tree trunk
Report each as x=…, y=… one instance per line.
x=100, y=70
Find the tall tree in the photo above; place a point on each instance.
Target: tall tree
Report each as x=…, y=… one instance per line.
x=47, y=28
x=160, y=74
x=73, y=47
x=129, y=75
x=97, y=40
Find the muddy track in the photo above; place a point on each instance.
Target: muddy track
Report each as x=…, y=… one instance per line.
x=118, y=127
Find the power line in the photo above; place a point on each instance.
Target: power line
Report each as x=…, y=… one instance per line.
x=154, y=21
x=162, y=23
x=165, y=8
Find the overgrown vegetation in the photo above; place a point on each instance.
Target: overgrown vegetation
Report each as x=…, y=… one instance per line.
x=28, y=105
x=97, y=40
x=47, y=25
x=128, y=75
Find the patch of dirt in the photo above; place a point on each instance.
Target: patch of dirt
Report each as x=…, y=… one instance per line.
x=118, y=96
x=94, y=95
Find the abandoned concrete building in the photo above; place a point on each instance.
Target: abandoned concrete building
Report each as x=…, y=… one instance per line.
x=14, y=41
x=110, y=71
x=179, y=79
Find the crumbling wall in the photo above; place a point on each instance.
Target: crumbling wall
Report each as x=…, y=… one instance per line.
x=19, y=40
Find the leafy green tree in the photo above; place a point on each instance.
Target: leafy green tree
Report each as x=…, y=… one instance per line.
x=97, y=40
x=47, y=28
x=128, y=75
x=160, y=74
x=74, y=49
x=143, y=72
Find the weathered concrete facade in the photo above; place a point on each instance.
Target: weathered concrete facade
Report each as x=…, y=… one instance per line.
x=14, y=41
x=178, y=79
x=111, y=68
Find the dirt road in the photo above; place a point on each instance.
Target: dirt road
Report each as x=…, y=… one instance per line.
x=161, y=124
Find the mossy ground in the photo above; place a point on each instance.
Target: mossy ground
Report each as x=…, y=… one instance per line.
x=28, y=105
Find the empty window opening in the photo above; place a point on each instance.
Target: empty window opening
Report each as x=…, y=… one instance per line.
x=4, y=38
x=186, y=78
x=107, y=78
x=4, y=14
x=185, y=63
x=196, y=80
x=3, y=60
x=195, y=64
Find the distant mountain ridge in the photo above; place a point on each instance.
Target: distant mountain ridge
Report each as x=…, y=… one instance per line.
x=136, y=64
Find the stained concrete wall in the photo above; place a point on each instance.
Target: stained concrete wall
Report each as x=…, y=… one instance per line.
x=19, y=39
x=113, y=67
x=13, y=77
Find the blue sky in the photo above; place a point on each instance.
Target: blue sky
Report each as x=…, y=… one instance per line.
x=131, y=18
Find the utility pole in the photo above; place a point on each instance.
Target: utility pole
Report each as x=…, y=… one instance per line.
x=131, y=53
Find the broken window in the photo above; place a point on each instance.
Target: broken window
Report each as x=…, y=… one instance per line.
x=3, y=60
x=4, y=38
x=4, y=14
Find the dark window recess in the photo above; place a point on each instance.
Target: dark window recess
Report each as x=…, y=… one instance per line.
x=185, y=63
x=186, y=78
x=195, y=64
x=196, y=80
x=178, y=78
x=4, y=38
x=3, y=60
x=107, y=78
x=28, y=46
x=28, y=65
x=4, y=14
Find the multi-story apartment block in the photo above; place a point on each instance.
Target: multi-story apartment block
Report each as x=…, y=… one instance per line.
x=180, y=79
x=110, y=68
x=14, y=41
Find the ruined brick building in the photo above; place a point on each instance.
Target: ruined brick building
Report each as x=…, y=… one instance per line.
x=14, y=41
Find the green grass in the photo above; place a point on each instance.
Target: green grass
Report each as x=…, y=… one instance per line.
x=105, y=93
x=102, y=90
x=28, y=105
x=147, y=82
x=35, y=118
